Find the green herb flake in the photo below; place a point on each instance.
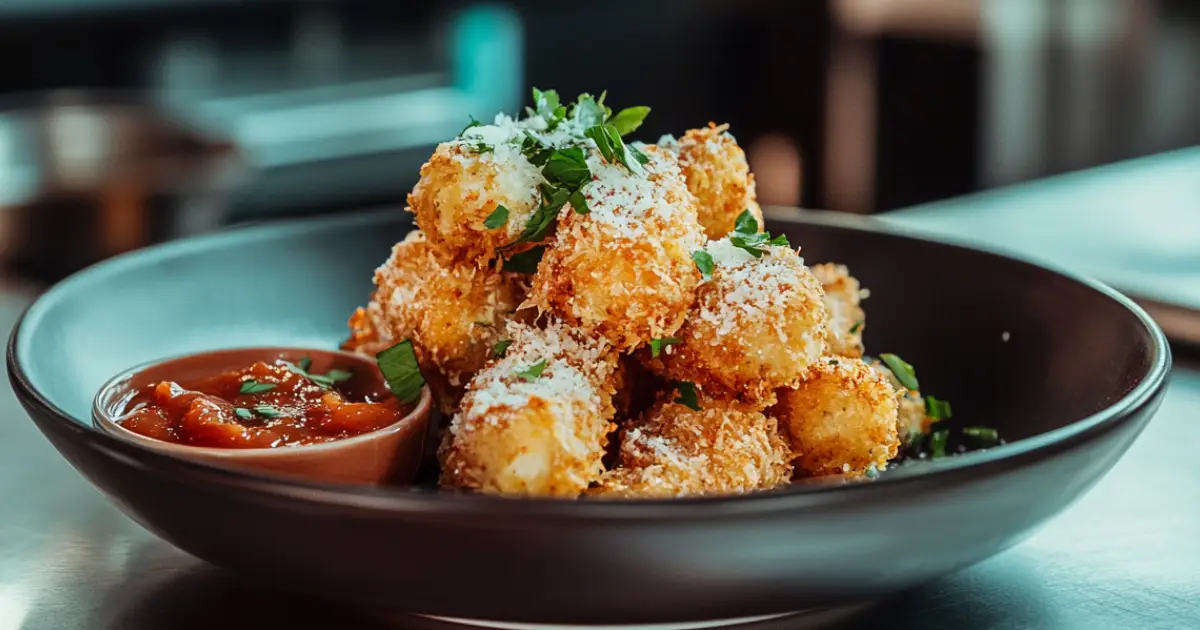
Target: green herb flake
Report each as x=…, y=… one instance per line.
x=244, y=414
x=546, y=104
x=657, y=345
x=267, y=411
x=497, y=219
x=473, y=123
x=704, y=263
x=588, y=112
x=637, y=154
x=608, y=142
x=984, y=437
x=937, y=409
x=903, y=371
x=337, y=376
x=251, y=386
x=687, y=395
x=856, y=327
x=533, y=372
x=746, y=223
x=937, y=443
x=304, y=363
x=501, y=348
x=525, y=262
x=872, y=472
x=579, y=202
x=399, y=366
x=629, y=119
x=567, y=168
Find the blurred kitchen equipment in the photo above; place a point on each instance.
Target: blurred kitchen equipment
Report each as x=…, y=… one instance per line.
x=86, y=175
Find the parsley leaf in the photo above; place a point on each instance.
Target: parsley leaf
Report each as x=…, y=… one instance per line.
x=567, y=167
x=498, y=218
x=535, y=150
x=687, y=395
x=903, y=371
x=704, y=263
x=856, y=327
x=746, y=223
x=546, y=104
x=587, y=112
x=579, y=202
x=657, y=345
x=304, y=363
x=872, y=471
x=637, y=154
x=532, y=372
x=244, y=414
x=399, y=366
x=608, y=141
x=629, y=119
x=501, y=348
x=337, y=376
x=982, y=436
x=937, y=443
x=525, y=262
x=936, y=408
x=473, y=123
x=251, y=386
x=267, y=411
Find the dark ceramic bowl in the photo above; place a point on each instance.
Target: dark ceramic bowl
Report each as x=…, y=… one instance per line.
x=1067, y=370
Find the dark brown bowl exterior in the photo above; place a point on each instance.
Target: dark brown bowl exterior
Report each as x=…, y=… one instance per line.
x=390, y=455
x=1081, y=373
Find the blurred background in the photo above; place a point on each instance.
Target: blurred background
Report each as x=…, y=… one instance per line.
x=129, y=122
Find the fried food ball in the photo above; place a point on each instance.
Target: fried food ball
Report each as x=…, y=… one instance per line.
x=624, y=271
x=453, y=312
x=911, y=419
x=843, y=298
x=841, y=419
x=726, y=447
x=464, y=182
x=717, y=174
x=756, y=325
x=536, y=421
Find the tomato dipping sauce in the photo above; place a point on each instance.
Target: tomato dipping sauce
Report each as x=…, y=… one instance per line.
x=263, y=405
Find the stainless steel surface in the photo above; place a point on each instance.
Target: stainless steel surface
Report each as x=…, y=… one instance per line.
x=1124, y=556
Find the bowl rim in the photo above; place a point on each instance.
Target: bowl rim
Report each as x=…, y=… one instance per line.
x=411, y=501
x=104, y=421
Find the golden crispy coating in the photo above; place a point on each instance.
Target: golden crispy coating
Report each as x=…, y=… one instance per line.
x=717, y=174
x=461, y=186
x=843, y=297
x=453, y=312
x=841, y=419
x=755, y=327
x=624, y=271
x=911, y=420
x=524, y=432
x=726, y=447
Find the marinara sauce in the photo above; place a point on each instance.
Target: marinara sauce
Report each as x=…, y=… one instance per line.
x=264, y=405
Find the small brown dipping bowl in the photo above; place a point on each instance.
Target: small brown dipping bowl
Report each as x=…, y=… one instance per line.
x=389, y=455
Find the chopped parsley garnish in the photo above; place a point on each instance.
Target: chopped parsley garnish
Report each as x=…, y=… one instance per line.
x=326, y=380
x=983, y=437
x=687, y=395
x=498, y=218
x=704, y=263
x=525, y=262
x=473, y=123
x=251, y=386
x=579, y=202
x=589, y=112
x=567, y=168
x=501, y=348
x=872, y=472
x=637, y=154
x=903, y=371
x=747, y=237
x=546, y=105
x=937, y=443
x=399, y=366
x=856, y=327
x=657, y=345
x=267, y=411
x=629, y=119
x=533, y=372
x=608, y=141
x=535, y=150
x=937, y=409
x=244, y=414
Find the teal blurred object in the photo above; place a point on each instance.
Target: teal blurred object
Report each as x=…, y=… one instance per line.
x=1132, y=224
x=487, y=59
